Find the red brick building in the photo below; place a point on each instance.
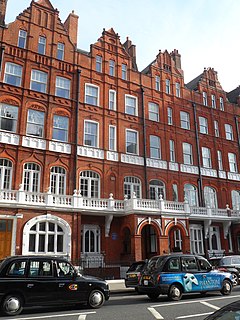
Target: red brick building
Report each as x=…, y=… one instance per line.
x=106, y=164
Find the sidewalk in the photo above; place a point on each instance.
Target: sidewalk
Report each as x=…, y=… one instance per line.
x=118, y=286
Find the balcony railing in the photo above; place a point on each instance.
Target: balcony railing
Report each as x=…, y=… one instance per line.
x=76, y=203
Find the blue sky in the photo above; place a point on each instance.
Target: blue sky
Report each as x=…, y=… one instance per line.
x=205, y=32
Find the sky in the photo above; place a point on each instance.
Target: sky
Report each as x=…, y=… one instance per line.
x=205, y=32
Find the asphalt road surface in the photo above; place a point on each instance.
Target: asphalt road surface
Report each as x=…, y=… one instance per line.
x=131, y=306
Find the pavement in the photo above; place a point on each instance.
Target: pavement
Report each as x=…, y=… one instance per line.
x=118, y=286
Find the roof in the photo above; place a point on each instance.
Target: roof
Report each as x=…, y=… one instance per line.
x=234, y=95
x=193, y=84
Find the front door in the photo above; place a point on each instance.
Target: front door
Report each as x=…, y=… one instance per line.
x=149, y=242
x=5, y=237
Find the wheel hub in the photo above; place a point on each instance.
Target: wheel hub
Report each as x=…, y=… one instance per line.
x=12, y=305
x=176, y=292
x=96, y=298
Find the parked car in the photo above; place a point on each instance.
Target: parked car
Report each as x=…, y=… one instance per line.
x=229, y=264
x=133, y=274
x=229, y=312
x=176, y=274
x=41, y=280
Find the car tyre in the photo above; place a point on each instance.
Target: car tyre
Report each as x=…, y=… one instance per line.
x=96, y=299
x=175, y=292
x=12, y=305
x=234, y=279
x=153, y=296
x=226, y=288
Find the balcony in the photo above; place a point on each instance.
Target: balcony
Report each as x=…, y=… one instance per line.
x=96, y=206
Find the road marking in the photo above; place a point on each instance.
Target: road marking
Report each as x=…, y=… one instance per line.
x=56, y=315
x=194, y=315
x=155, y=313
x=82, y=317
x=209, y=305
x=194, y=301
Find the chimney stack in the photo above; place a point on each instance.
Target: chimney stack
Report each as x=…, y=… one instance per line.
x=3, y=7
x=71, y=25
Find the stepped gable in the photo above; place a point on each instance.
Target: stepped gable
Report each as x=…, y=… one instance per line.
x=206, y=79
x=234, y=95
x=45, y=3
x=170, y=62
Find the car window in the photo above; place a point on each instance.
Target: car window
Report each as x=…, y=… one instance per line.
x=174, y=264
x=189, y=264
x=40, y=268
x=235, y=260
x=204, y=264
x=65, y=269
x=17, y=268
x=136, y=267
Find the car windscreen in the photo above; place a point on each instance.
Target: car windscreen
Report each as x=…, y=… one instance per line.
x=138, y=266
x=155, y=263
x=228, y=261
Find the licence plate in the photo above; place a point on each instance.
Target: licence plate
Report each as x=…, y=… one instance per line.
x=145, y=282
x=132, y=276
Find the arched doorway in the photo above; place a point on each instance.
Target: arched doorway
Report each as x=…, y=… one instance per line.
x=149, y=242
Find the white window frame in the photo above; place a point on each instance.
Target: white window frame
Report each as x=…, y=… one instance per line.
x=95, y=134
x=178, y=90
x=213, y=99
x=153, y=111
x=111, y=67
x=168, y=86
x=112, y=138
x=191, y=194
x=6, y=171
x=177, y=237
x=214, y=231
x=89, y=95
x=196, y=239
x=216, y=129
x=131, y=109
x=58, y=180
x=157, y=83
x=205, y=102
x=13, y=71
x=210, y=197
x=22, y=38
x=170, y=116
x=136, y=143
x=203, y=125
x=124, y=71
x=235, y=196
x=185, y=120
x=157, y=188
x=35, y=123
x=91, y=239
x=187, y=153
x=232, y=160
x=39, y=78
x=206, y=158
x=155, y=147
x=172, y=150
x=31, y=177
x=60, y=51
x=229, y=131
x=132, y=184
x=62, y=87
x=8, y=117
x=221, y=103
x=98, y=63
x=112, y=99
x=91, y=180
x=60, y=124
x=220, y=162
x=42, y=45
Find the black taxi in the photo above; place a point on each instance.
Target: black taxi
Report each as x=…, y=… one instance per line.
x=44, y=280
x=176, y=274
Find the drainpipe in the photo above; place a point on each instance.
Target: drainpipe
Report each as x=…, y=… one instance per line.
x=1, y=57
x=76, y=129
x=200, y=183
x=238, y=133
x=144, y=144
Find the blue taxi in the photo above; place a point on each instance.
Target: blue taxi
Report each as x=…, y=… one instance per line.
x=176, y=274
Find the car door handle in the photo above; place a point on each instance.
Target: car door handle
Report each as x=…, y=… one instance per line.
x=61, y=285
x=30, y=285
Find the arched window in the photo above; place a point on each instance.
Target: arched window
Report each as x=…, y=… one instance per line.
x=157, y=188
x=31, y=177
x=58, y=180
x=90, y=237
x=132, y=184
x=190, y=193
x=235, y=199
x=5, y=174
x=210, y=197
x=90, y=184
x=126, y=241
x=47, y=235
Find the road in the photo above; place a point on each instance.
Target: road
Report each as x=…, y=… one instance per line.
x=132, y=306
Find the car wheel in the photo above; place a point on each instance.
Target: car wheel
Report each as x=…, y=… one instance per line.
x=96, y=299
x=226, y=288
x=12, y=305
x=175, y=292
x=153, y=296
x=234, y=279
